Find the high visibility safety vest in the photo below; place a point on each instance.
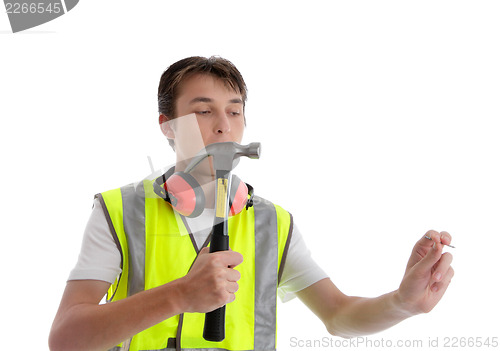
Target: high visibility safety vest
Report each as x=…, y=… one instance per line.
x=156, y=248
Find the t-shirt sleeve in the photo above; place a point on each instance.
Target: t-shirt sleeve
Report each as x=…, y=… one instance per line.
x=300, y=270
x=99, y=257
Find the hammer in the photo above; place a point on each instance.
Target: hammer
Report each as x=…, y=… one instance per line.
x=224, y=156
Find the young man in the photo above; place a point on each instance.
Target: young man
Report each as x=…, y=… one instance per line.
x=148, y=258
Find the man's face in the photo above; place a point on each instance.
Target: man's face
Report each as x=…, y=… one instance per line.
x=214, y=109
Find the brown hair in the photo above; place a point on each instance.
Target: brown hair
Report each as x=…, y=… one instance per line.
x=179, y=71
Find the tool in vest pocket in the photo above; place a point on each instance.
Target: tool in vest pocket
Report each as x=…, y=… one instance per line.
x=224, y=155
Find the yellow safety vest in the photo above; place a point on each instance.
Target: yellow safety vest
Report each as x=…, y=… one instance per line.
x=156, y=247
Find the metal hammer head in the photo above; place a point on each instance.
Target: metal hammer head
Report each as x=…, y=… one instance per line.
x=224, y=154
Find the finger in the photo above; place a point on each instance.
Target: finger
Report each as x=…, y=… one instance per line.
x=442, y=266
x=442, y=285
x=204, y=250
x=230, y=258
x=445, y=238
x=231, y=298
x=430, y=259
x=440, y=238
x=232, y=287
x=233, y=275
x=432, y=235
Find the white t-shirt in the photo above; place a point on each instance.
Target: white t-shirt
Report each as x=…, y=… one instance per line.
x=100, y=258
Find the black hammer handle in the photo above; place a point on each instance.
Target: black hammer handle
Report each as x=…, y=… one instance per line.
x=214, y=329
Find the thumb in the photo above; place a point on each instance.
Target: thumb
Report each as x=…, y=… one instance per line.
x=430, y=259
x=204, y=251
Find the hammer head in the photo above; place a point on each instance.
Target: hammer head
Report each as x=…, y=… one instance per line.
x=224, y=154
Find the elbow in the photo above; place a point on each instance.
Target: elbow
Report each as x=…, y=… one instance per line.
x=335, y=322
x=54, y=342
x=57, y=341
x=333, y=329
x=335, y=332
x=337, y=326
x=340, y=335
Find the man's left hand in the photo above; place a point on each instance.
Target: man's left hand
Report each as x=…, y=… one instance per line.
x=427, y=274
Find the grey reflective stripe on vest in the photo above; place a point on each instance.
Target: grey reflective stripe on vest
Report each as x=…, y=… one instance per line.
x=266, y=276
x=134, y=224
x=266, y=260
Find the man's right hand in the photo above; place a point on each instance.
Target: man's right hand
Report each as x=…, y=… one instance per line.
x=211, y=282
x=82, y=323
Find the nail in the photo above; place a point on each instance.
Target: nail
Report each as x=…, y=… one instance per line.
x=428, y=237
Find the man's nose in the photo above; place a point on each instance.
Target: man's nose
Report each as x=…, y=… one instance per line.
x=221, y=125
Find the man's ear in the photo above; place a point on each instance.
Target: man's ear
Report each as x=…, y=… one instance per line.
x=165, y=126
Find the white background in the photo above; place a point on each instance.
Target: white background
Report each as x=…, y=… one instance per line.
x=378, y=121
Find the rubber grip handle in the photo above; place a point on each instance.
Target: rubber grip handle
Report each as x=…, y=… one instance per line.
x=219, y=242
x=215, y=329
x=215, y=321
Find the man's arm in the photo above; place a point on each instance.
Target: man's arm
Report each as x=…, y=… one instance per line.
x=426, y=279
x=82, y=324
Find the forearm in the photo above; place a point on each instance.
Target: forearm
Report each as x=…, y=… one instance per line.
x=426, y=279
x=82, y=324
x=363, y=316
x=100, y=327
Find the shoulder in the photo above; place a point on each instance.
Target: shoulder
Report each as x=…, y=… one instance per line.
x=130, y=192
x=285, y=218
x=262, y=202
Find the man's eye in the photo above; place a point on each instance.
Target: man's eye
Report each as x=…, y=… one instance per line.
x=204, y=112
x=235, y=113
